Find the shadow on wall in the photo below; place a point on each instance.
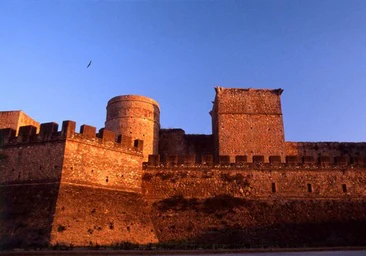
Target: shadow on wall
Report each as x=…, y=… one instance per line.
x=27, y=215
x=236, y=222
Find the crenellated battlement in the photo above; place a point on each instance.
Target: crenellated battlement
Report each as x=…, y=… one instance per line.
x=254, y=162
x=49, y=133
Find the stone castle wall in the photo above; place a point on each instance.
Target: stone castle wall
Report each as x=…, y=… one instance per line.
x=248, y=122
x=243, y=184
x=66, y=156
x=99, y=216
x=176, y=142
x=331, y=149
x=311, y=180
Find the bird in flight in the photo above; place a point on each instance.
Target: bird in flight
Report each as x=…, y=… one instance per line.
x=89, y=64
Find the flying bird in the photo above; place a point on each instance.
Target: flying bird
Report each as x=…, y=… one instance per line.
x=89, y=64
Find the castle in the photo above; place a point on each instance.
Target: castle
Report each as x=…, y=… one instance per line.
x=135, y=182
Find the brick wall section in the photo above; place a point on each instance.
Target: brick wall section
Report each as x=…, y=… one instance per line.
x=27, y=213
x=137, y=117
x=172, y=142
x=176, y=142
x=331, y=149
x=16, y=119
x=87, y=161
x=248, y=122
x=246, y=223
x=26, y=120
x=252, y=182
x=95, y=216
x=32, y=162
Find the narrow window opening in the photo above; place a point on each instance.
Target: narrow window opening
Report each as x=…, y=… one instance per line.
x=135, y=143
x=344, y=188
x=106, y=179
x=55, y=166
x=92, y=171
x=40, y=167
x=310, y=188
x=19, y=176
x=274, y=190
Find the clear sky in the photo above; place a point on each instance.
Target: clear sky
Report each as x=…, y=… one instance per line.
x=176, y=51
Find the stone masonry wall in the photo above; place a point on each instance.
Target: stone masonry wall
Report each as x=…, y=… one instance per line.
x=32, y=162
x=16, y=119
x=266, y=182
x=97, y=216
x=248, y=223
x=248, y=122
x=137, y=117
x=101, y=164
x=331, y=149
x=27, y=212
x=176, y=142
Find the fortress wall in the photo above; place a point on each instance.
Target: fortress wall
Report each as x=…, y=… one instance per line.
x=16, y=119
x=199, y=144
x=172, y=142
x=28, y=162
x=332, y=149
x=253, y=182
x=253, y=223
x=87, y=161
x=27, y=212
x=83, y=158
x=176, y=142
x=96, y=216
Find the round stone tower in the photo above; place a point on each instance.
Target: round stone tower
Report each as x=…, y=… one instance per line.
x=137, y=117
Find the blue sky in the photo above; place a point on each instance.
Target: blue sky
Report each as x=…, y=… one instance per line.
x=176, y=52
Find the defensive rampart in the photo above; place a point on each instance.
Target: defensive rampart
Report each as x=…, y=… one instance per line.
x=297, y=178
x=82, y=158
x=351, y=150
x=304, y=201
x=69, y=188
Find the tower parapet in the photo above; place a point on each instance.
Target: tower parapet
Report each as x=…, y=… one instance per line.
x=137, y=117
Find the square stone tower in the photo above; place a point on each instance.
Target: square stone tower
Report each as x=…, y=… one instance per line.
x=248, y=122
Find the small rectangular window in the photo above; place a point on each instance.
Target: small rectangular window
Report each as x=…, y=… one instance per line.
x=344, y=188
x=310, y=188
x=136, y=143
x=274, y=190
